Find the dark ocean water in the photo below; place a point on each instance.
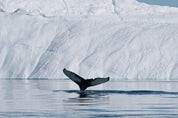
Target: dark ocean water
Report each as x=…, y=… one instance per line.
x=21, y=98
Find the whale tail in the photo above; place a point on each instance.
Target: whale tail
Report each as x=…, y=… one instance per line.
x=82, y=83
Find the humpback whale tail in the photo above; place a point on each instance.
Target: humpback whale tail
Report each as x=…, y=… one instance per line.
x=82, y=83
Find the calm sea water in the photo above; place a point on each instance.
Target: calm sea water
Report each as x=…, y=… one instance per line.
x=61, y=99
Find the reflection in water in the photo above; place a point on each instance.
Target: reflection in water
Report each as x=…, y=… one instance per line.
x=87, y=98
x=83, y=95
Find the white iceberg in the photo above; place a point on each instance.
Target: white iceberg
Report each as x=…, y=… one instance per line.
x=123, y=39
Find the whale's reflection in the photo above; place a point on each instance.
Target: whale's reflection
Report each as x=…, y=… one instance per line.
x=87, y=98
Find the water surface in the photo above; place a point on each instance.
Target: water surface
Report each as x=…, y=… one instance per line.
x=61, y=99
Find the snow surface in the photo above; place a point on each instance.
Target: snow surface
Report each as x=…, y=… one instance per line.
x=123, y=39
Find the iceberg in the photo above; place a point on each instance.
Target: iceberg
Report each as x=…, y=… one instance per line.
x=126, y=40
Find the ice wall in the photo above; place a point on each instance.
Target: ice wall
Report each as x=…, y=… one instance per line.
x=116, y=38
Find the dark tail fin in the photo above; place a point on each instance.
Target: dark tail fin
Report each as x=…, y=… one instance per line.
x=82, y=83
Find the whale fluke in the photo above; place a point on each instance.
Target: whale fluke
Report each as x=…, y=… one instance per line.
x=84, y=83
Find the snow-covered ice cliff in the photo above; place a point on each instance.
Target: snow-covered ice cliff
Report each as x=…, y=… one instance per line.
x=123, y=39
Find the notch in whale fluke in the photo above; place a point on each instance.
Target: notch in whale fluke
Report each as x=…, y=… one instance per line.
x=84, y=83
